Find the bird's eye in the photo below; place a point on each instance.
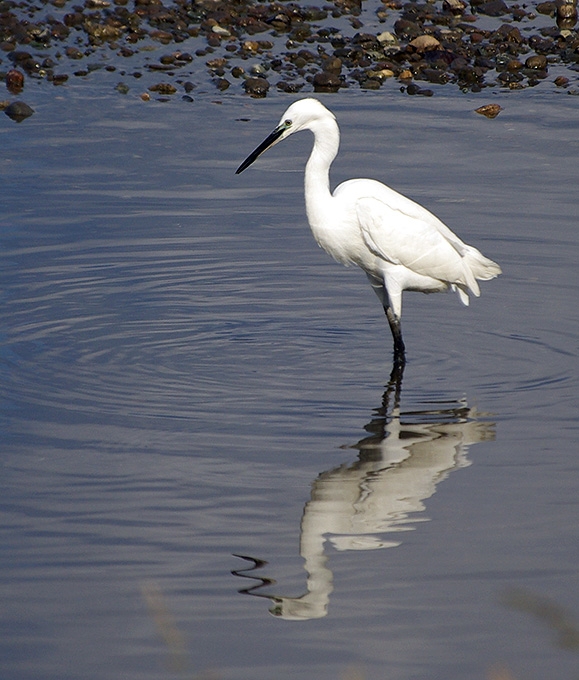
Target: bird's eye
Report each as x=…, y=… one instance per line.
x=287, y=123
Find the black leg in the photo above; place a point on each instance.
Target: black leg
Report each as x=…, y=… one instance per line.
x=395, y=382
x=399, y=349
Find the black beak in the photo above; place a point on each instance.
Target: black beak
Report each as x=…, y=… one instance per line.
x=264, y=146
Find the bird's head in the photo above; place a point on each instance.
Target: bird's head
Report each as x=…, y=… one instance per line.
x=301, y=115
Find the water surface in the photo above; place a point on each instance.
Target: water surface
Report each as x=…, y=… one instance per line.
x=186, y=377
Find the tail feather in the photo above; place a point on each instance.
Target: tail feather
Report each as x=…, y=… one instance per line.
x=481, y=267
x=476, y=266
x=462, y=291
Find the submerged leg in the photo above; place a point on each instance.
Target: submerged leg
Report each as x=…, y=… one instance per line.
x=399, y=349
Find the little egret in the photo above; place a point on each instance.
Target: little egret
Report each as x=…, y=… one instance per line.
x=398, y=243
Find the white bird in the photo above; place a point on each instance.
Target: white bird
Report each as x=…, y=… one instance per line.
x=398, y=243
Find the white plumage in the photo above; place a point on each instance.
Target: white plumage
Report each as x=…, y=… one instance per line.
x=398, y=243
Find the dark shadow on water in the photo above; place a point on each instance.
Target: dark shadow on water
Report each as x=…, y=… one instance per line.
x=358, y=505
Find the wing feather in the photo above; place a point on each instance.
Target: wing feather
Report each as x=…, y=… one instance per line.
x=408, y=234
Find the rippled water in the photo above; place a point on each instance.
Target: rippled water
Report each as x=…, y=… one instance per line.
x=195, y=403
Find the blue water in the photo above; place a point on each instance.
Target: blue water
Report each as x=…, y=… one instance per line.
x=186, y=377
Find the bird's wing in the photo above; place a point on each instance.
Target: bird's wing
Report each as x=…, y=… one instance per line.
x=403, y=232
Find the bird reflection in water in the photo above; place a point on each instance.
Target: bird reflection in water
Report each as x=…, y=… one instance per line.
x=354, y=506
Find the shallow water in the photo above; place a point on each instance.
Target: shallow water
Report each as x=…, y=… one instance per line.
x=187, y=378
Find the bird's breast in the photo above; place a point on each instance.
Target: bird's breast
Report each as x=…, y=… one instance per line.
x=336, y=230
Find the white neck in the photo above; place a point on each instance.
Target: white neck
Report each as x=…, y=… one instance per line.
x=317, y=177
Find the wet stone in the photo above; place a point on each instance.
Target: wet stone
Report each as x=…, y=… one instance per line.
x=59, y=79
x=73, y=53
x=548, y=8
x=407, y=30
x=289, y=87
x=493, y=8
x=540, y=44
x=566, y=16
x=489, y=110
x=163, y=88
x=424, y=43
x=508, y=78
x=256, y=87
x=371, y=84
x=18, y=111
x=435, y=76
x=222, y=84
x=325, y=81
x=454, y=6
x=438, y=42
x=14, y=81
x=537, y=62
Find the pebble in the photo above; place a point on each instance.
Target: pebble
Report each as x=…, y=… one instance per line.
x=489, y=110
x=222, y=84
x=256, y=87
x=437, y=42
x=424, y=42
x=18, y=111
x=325, y=81
x=163, y=88
x=538, y=62
x=14, y=81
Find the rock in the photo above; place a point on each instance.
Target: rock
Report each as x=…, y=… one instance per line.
x=18, y=111
x=371, y=84
x=424, y=42
x=333, y=65
x=220, y=30
x=256, y=87
x=493, y=8
x=14, y=81
x=548, y=8
x=454, y=6
x=380, y=74
x=387, y=39
x=438, y=42
x=537, y=62
x=163, y=88
x=324, y=81
x=222, y=84
x=566, y=15
x=407, y=30
x=291, y=88
x=414, y=89
x=489, y=110
x=74, y=53
x=164, y=37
